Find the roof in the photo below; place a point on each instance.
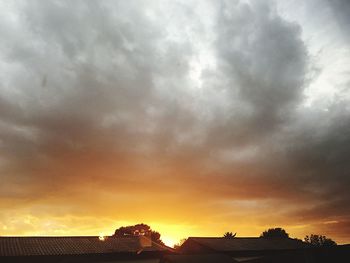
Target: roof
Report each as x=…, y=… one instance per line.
x=74, y=245
x=207, y=258
x=247, y=243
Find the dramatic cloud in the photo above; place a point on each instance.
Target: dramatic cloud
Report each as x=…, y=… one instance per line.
x=196, y=117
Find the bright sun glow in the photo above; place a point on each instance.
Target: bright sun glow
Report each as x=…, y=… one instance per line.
x=170, y=242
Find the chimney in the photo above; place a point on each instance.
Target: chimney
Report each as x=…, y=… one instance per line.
x=145, y=241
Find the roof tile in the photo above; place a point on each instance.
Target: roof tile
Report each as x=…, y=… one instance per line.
x=77, y=245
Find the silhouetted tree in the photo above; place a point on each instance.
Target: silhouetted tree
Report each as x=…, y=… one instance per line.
x=135, y=230
x=155, y=236
x=229, y=235
x=275, y=233
x=319, y=241
x=138, y=230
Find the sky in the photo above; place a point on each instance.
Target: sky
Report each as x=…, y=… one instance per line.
x=195, y=117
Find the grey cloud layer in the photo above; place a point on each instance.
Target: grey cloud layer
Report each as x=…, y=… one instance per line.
x=109, y=83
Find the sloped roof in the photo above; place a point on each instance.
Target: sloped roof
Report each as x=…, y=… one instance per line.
x=207, y=258
x=247, y=243
x=75, y=245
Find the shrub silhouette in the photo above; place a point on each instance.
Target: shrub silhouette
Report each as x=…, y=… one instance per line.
x=229, y=235
x=275, y=233
x=319, y=241
x=138, y=230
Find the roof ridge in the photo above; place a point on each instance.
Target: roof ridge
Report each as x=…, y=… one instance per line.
x=69, y=245
x=163, y=246
x=226, y=238
x=65, y=237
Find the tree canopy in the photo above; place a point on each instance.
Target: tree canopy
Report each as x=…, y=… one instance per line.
x=275, y=233
x=319, y=241
x=138, y=230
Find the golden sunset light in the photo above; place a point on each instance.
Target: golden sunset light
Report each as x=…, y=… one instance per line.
x=196, y=118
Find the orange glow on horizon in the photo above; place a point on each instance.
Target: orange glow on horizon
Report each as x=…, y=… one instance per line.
x=171, y=234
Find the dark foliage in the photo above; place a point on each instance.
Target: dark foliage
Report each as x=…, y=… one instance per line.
x=138, y=230
x=229, y=235
x=275, y=233
x=319, y=241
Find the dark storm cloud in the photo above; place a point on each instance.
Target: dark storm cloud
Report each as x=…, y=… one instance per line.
x=263, y=62
x=318, y=157
x=101, y=95
x=265, y=58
